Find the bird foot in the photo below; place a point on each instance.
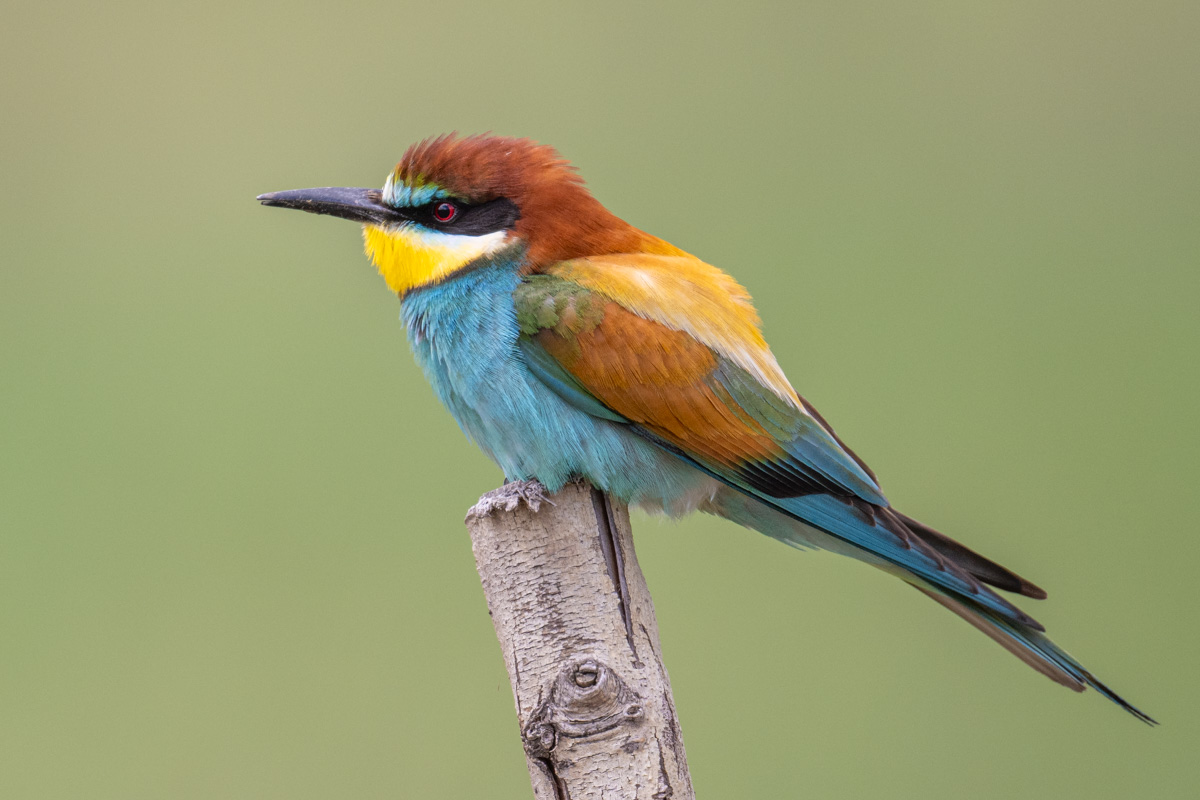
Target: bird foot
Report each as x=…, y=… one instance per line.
x=511, y=495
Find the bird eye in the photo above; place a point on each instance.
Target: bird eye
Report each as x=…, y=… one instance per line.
x=445, y=212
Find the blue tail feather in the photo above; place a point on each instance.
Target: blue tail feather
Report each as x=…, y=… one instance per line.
x=1024, y=640
x=1034, y=648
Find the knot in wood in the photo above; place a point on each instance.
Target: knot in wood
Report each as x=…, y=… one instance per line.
x=586, y=674
x=586, y=699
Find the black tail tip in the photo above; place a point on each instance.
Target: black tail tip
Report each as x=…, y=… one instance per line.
x=1121, y=701
x=1143, y=716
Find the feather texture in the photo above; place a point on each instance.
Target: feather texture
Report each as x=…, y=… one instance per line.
x=688, y=397
x=566, y=342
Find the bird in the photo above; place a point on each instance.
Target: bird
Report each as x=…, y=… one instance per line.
x=568, y=343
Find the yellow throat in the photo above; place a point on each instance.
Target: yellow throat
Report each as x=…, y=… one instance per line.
x=409, y=257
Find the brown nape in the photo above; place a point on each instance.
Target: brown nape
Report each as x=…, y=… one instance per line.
x=559, y=219
x=982, y=568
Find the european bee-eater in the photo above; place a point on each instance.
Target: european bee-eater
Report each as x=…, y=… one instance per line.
x=566, y=342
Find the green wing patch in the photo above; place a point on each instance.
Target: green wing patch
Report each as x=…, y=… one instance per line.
x=544, y=302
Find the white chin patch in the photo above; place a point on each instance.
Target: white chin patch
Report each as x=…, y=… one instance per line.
x=456, y=246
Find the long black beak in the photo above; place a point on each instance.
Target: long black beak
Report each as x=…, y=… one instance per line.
x=360, y=205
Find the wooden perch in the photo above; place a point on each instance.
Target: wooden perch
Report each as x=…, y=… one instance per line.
x=580, y=641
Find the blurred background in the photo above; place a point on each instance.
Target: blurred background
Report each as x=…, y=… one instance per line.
x=232, y=559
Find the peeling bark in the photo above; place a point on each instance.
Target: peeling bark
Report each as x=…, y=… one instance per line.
x=576, y=625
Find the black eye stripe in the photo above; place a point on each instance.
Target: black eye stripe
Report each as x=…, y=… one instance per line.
x=473, y=219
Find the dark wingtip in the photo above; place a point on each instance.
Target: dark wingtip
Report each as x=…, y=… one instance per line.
x=1028, y=589
x=982, y=568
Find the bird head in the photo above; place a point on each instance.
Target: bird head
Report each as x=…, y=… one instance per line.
x=454, y=201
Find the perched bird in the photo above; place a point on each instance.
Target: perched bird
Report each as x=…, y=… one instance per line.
x=566, y=342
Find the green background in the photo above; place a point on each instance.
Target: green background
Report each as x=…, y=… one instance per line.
x=232, y=561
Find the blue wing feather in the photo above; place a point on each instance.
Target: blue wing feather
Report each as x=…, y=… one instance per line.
x=820, y=483
x=813, y=450
x=857, y=514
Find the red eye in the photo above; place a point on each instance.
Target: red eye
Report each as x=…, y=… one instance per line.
x=445, y=212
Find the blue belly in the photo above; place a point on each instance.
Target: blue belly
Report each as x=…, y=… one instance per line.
x=464, y=335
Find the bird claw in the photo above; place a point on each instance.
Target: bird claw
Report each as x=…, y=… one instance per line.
x=511, y=495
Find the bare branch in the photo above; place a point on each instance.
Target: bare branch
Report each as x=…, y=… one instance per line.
x=576, y=625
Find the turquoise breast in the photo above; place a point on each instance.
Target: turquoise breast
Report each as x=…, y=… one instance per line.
x=463, y=332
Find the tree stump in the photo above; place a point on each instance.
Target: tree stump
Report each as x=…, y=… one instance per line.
x=580, y=641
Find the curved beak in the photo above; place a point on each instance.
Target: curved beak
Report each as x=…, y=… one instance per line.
x=359, y=205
